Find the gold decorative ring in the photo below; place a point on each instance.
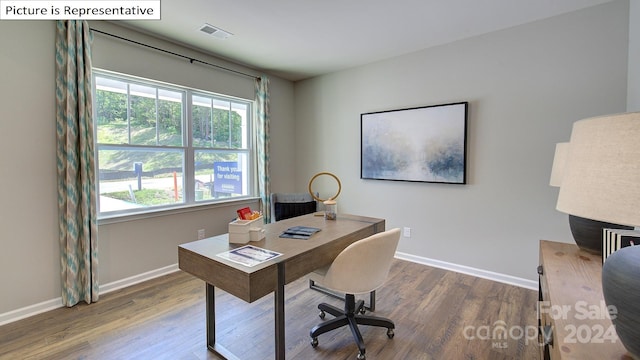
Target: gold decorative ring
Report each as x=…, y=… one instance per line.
x=324, y=173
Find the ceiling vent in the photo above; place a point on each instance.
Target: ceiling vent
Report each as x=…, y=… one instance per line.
x=215, y=32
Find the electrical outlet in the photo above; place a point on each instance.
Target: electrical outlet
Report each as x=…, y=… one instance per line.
x=200, y=234
x=406, y=232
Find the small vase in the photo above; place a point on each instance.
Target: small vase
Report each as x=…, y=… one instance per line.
x=330, y=209
x=621, y=288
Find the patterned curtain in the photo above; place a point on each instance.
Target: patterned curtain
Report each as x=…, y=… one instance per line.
x=75, y=163
x=262, y=145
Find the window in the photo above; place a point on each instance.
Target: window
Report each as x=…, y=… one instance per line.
x=162, y=146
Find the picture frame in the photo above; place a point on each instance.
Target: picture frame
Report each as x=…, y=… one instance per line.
x=420, y=144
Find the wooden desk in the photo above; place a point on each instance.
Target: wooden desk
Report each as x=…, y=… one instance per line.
x=572, y=311
x=299, y=257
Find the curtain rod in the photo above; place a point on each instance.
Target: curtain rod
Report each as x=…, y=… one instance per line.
x=191, y=60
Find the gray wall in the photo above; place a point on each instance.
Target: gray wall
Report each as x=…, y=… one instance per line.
x=29, y=259
x=526, y=86
x=633, y=93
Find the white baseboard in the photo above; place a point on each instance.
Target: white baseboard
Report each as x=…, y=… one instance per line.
x=48, y=305
x=52, y=304
x=136, y=279
x=30, y=310
x=485, y=274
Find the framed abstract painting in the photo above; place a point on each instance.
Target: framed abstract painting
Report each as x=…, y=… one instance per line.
x=423, y=144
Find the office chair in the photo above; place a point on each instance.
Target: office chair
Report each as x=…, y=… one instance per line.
x=288, y=205
x=360, y=268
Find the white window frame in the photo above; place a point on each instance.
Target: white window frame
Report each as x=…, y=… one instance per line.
x=189, y=181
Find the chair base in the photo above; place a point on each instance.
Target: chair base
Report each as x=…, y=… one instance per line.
x=322, y=289
x=351, y=316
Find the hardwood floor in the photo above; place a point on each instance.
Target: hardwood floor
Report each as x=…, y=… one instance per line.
x=438, y=315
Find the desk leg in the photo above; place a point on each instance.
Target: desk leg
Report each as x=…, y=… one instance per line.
x=211, y=326
x=279, y=313
x=211, y=315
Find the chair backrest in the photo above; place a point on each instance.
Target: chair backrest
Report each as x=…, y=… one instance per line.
x=364, y=265
x=288, y=205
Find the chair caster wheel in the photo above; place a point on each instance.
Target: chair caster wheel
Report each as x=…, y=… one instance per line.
x=314, y=342
x=360, y=356
x=321, y=315
x=390, y=333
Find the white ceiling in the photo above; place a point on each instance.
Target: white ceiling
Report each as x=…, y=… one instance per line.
x=297, y=39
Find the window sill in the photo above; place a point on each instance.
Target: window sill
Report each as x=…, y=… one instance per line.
x=113, y=219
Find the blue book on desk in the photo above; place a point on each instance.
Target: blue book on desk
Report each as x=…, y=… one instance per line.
x=299, y=232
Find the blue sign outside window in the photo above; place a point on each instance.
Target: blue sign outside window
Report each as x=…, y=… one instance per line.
x=228, y=177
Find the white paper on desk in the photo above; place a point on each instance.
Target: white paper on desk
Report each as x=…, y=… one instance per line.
x=249, y=255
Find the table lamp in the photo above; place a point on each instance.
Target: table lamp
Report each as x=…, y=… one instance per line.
x=601, y=181
x=587, y=233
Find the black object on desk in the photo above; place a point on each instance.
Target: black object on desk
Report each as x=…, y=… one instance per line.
x=299, y=232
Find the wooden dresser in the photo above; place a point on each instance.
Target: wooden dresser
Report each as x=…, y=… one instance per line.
x=572, y=314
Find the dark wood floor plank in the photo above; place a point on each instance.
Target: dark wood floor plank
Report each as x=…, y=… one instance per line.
x=164, y=319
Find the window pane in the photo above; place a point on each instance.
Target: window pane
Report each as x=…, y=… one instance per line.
x=242, y=111
x=222, y=125
x=169, y=118
x=201, y=124
x=142, y=100
x=111, y=111
x=220, y=175
x=113, y=85
x=139, y=178
x=219, y=123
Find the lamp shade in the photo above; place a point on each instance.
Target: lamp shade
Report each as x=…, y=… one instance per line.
x=559, y=162
x=601, y=177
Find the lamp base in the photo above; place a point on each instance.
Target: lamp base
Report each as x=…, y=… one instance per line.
x=587, y=233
